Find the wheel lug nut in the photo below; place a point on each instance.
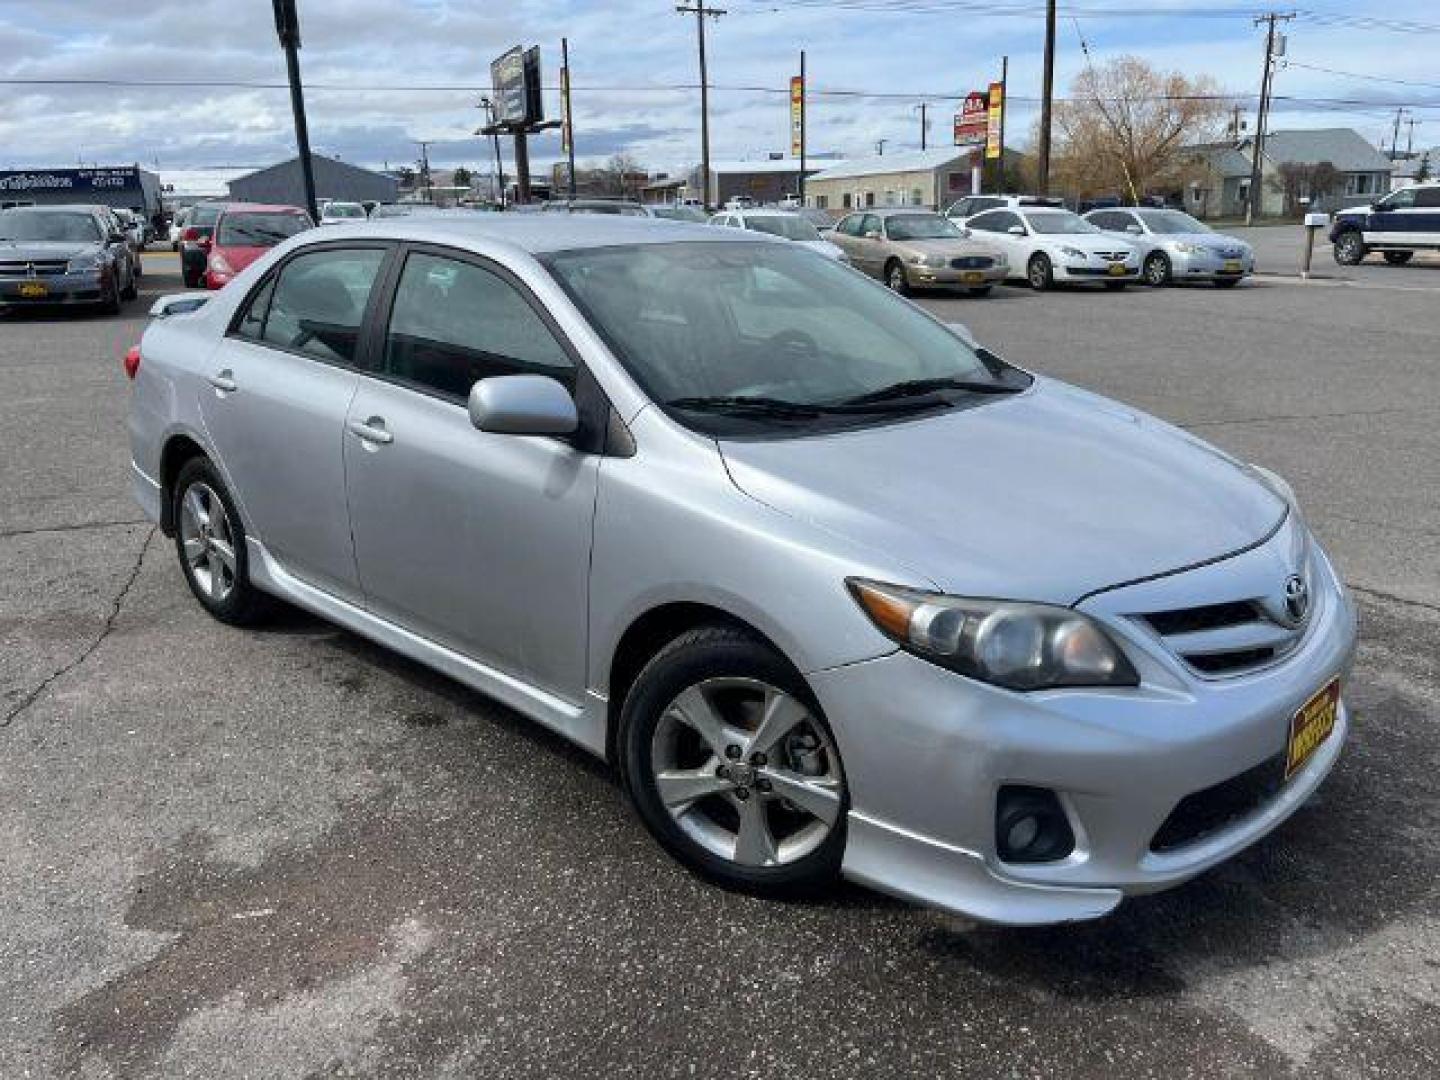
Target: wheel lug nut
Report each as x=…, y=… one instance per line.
x=732, y=752
x=742, y=793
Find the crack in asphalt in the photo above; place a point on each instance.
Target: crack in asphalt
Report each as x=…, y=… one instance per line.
x=1302, y=416
x=79, y=526
x=1376, y=594
x=85, y=654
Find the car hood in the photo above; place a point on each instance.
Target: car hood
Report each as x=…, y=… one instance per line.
x=951, y=248
x=28, y=250
x=1087, y=242
x=1211, y=240
x=1046, y=496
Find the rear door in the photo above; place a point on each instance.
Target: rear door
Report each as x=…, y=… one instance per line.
x=1421, y=223
x=274, y=402
x=477, y=541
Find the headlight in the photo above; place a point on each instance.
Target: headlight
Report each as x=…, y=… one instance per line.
x=928, y=260
x=81, y=263
x=1016, y=645
x=1074, y=253
x=1188, y=249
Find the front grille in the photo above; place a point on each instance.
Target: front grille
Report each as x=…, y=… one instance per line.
x=47, y=267
x=1229, y=638
x=1202, y=813
x=1114, y=256
x=972, y=262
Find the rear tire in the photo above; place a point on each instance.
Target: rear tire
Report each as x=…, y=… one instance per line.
x=1040, y=273
x=698, y=708
x=1398, y=258
x=110, y=302
x=1350, y=248
x=210, y=543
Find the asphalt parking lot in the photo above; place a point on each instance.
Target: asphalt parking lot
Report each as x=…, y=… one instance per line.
x=287, y=853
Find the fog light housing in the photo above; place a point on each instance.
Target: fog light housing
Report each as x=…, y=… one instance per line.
x=1031, y=826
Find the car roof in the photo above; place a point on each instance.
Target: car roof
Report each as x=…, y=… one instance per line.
x=259, y=208
x=539, y=233
x=60, y=208
x=891, y=211
x=762, y=211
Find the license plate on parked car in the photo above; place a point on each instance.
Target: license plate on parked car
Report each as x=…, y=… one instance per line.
x=34, y=290
x=972, y=277
x=1117, y=269
x=1232, y=266
x=1310, y=726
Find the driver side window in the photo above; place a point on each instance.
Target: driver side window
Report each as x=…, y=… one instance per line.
x=1401, y=200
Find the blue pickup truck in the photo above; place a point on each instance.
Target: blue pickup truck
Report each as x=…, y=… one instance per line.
x=1397, y=226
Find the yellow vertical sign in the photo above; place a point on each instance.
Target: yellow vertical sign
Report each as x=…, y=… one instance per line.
x=797, y=114
x=995, y=120
x=565, y=111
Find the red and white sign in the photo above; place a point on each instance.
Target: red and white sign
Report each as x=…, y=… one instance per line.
x=972, y=120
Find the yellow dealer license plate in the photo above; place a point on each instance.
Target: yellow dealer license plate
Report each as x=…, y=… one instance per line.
x=1117, y=269
x=33, y=290
x=1232, y=266
x=972, y=277
x=1310, y=726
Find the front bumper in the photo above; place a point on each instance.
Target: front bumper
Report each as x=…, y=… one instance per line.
x=1206, y=266
x=948, y=277
x=85, y=287
x=1093, y=270
x=926, y=753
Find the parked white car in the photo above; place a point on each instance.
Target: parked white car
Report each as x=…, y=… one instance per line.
x=1048, y=246
x=1176, y=247
x=342, y=213
x=785, y=224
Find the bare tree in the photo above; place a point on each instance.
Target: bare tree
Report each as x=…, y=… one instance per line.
x=1296, y=181
x=1125, y=124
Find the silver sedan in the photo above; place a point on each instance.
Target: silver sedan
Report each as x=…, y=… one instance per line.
x=1176, y=247
x=837, y=590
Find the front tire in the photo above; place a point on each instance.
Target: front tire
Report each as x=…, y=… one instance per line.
x=1040, y=273
x=1157, y=270
x=731, y=766
x=210, y=542
x=896, y=279
x=1350, y=248
x=1398, y=258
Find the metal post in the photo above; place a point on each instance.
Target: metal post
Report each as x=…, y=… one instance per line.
x=569, y=116
x=924, y=123
x=287, y=26
x=804, y=108
x=1004, y=112
x=522, y=168
x=1254, y=204
x=1047, y=95
x=700, y=11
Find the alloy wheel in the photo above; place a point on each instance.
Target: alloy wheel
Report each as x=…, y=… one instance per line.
x=1157, y=270
x=747, y=772
x=896, y=279
x=208, y=541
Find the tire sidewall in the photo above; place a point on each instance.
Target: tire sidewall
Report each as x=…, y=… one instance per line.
x=1156, y=280
x=245, y=602
x=901, y=286
x=1038, y=273
x=691, y=659
x=1350, y=249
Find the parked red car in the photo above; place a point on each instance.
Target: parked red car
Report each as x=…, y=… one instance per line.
x=246, y=231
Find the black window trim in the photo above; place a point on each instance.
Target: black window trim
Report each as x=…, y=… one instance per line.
x=363, y=342
x=601, y=431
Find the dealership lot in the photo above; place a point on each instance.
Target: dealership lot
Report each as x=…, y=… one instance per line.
x=290, y=853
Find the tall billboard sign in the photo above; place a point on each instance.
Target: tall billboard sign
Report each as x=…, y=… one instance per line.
x=971, y=120
x=797, y=115
x=995, y=121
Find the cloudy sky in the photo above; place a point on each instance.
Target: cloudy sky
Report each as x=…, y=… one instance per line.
x=383, y=73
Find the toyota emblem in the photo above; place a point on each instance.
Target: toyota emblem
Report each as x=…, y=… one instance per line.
x=1297, y=598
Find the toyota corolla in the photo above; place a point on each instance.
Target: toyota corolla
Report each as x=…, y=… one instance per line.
x=837, y=590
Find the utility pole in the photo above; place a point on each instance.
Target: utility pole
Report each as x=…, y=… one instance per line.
x=1047, y=95
x=1395, y=138
x=569, y=117
x=700, y=11
x=489, y=107
x=287, y=26
x=924, y=107
x=1237, y=123
x=1410, y=137
x=1262, y=116
x=1004, y=112
x=425, y=171
x=804, y=103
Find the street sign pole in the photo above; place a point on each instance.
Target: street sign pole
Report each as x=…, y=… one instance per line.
x=287, y=26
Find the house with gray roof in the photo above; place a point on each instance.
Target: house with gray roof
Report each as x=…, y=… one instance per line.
x=932, y=178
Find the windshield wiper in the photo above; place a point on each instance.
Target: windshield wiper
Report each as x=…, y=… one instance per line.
x=920, y=387
x=740, y=405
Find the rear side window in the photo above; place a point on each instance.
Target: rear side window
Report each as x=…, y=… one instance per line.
x=258, y=230
x=252, y=323
x=319, y=302
x=1429, y=198
x=454, y=323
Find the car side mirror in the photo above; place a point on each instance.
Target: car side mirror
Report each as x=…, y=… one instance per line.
x=1133, y=229
x=872, y=234
x=523, y=405
x=1016, y=230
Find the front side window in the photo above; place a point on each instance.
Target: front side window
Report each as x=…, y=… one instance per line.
x=790, y=228
x=725, y=335
x=921, y=227
x=454, y=323
x=258, y=230
x=1172, y=222
x=997, y=221
x=1401, y=200
x=42, y=226
x=1058, y=223
x=319, y=302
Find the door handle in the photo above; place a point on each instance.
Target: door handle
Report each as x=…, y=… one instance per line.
x=223, y=381
x=372, y=430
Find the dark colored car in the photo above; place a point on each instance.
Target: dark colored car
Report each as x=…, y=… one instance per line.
x=244, y=232
x=64, y=255
x=195, y=242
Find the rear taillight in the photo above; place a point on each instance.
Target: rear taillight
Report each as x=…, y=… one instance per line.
x=132, y=361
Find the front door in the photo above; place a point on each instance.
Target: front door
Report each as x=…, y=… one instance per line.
x=274, y=398
x=477, y=541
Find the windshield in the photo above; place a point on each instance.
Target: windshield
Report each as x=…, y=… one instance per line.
x=786, y=225
x=680, y=213
x=204, y=217
x=259, y=230
x=1059, y=222
x=1171, y=222
x=921, y=227
x=63, y=228
x=757, y=323
x=345, y=210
